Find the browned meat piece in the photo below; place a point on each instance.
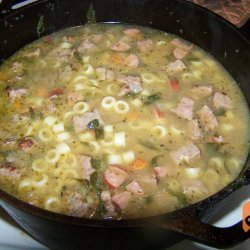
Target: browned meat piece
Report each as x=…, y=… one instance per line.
x=179, y=53
x=176, y=66
x=74, y=97
x=121, y=46
x=86, y=45
x=194, y=131
x=193, y=187
x=132, y=84
x=132, y=32
x=184, y=108
x=26, y=144
x=187, y=154
x=145, y=45
x=105, y=74
x=55, y=93
x=76, y=206
x=64, y=74
x=85, y=167
x=9, y=171
x=207, y=118
x=81, y=122
x=134, y=187
x=121, y=199
x=132, y=61
x=34, y=53
x=114, y=176
x=110, y=209
x=221, y=101
x=201, y=91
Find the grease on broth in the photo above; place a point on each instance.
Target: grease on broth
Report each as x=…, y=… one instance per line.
x=114, y=121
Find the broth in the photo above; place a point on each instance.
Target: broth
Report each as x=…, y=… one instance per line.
x=113, y=121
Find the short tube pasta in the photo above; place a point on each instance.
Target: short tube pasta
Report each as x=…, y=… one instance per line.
x=121, y=107
x=108, y=102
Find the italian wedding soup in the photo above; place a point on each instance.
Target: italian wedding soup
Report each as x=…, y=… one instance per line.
x=111, y=121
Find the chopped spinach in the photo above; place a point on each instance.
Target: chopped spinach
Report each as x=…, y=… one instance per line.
x=149, y=199
x=99, y=133
x=93, y=124
x=153, y=98
x=154, y=161
x=100, y=209
x=149, y=145
x=180, y=196
x=220, y=112
x=91, y=14
x=95, y=163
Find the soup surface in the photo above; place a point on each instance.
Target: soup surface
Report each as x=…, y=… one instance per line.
x=113, y=121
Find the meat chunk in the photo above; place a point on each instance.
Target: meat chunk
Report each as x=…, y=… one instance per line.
x=194, y=131
x=184, y=108
x=9, y=171
x=161, y=171
x=18, y=68
x=207, y=118
x=105, y=74
x=76, y=206
x=114, y=176
x=81, y=122
x=176, y=66
x=179, y=53
x=64, y=74
x=121, y=46
x=217, y=139
x=16, y=93
x=221, y=101
x=61, y=54
x=110, y=209
x=201, y=91
x=181, y=44
x=145, y=45
x=74, y=97
x=96, y=38
x=26, y=144
x=132, y=32
x=121, y=199
x=85, y=167
x=55, y=93
x=134, y=187
x=132, y=61
x=194, y=188
x=86, y=45
x=132, y=84
x=34, y=53
x=187, y=154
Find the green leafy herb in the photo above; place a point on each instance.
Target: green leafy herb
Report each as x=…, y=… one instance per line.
x=154, y=161
x=148, y=199
x=93, y=124
x=220, y=112
x=153, y=98
x=180, y=196
x=100, y=210
x=99, y=133
x=149, y=145
x=95, y=163
x=91, y=14
x=40, y=26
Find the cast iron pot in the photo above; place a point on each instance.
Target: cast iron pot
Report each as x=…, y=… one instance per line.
x=193, y=23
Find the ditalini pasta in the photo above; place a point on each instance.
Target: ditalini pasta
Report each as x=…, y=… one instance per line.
x=114, y=121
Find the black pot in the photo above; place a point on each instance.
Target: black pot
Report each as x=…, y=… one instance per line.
x=193, y=23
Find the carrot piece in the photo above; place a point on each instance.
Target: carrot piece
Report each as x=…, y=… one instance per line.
x=131, y=116
x=117, y=58
x=56, y=92
x=158, y=113
x=175, y=86
x=139, y=163
x=42, y=92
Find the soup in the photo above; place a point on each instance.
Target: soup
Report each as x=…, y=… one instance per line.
x=113, y=121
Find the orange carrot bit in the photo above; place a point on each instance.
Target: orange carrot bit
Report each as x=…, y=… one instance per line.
x=131, y=116
x=139, y=163
x=158, y=113
x=42, y=92
x=117, y=58
x=175, y=86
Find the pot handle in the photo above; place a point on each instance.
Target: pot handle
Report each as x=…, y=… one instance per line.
x=190, y=225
